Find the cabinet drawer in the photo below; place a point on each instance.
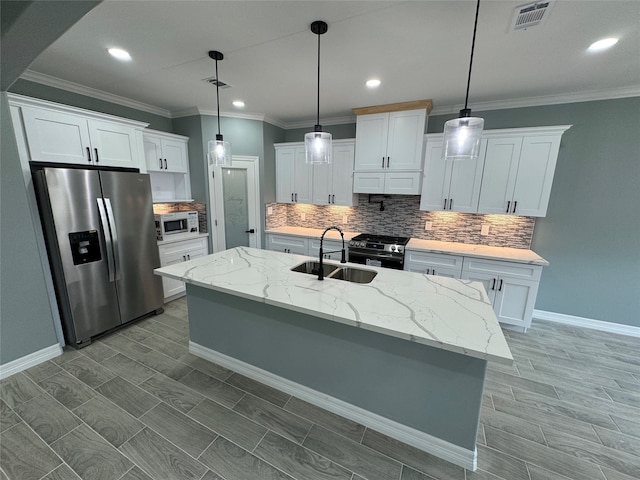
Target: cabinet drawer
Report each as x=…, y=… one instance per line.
x=433, y=259
x=499, y=268
x=328, y=246
x=183, y=247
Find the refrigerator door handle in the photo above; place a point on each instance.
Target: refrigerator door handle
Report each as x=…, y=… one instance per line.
x=107, y=237
x=114, y=237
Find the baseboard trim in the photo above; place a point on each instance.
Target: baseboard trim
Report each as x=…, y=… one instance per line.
x=610, y=327
x=452, y=453
x=28, y=361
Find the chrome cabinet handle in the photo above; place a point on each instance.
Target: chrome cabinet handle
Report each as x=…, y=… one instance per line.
x=508, y=205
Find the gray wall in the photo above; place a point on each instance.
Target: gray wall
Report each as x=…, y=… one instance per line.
x=591, y=234
x=52, y=94
x=26, y=321
x=347, y=130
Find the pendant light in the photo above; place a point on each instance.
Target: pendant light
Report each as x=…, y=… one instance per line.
x=462, y=135
x=219, y=150
x=317, y=144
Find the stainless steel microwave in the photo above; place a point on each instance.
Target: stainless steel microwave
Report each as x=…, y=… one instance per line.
x=176, y=224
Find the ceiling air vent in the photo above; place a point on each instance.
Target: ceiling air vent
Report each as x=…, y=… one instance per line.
x=215, y=82
x=530, y=15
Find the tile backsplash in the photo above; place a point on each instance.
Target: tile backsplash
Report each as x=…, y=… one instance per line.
x=401, y=216
x=200, y=207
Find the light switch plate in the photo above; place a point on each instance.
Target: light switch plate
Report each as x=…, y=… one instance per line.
x=269, y=210
x=303, y=216
x=428, y=225
x=345, y=218
x=484, y=230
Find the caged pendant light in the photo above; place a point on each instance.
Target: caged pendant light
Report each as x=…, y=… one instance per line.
x=317, y=144
x=462, y=135
x=219, y=150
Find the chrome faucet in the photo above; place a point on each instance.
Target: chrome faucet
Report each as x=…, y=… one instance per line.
x=344, y=255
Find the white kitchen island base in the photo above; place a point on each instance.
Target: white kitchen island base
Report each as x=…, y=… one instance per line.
x=427, y=397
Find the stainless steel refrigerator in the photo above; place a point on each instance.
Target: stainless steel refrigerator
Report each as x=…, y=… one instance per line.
x=101, y=240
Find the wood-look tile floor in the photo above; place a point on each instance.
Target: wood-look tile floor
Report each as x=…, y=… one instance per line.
x=137, y=405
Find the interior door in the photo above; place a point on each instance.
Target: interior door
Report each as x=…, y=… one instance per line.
x=234, y=193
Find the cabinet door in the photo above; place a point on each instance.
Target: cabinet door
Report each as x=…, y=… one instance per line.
x=322, y=182
x=436, y=178
x=303, y=177
x=371, y=141
x=499, y=176
x=368, y=182
x=113, y=145
x=514, y=301
x=327, y=246
x=174, y=153
x=402, y=183
x=342, y=176
x=57, y=137
x=404, y=140
x=285, y=161
x=288, y=244
x=487, y=279
x=535, y=175
x=153, y=153
x=171, y=286
x=466, y=177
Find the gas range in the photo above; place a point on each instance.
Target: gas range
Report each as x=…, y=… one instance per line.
x=378, y=250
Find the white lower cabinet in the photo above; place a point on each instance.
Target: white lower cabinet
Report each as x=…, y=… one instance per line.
x=443, y=265
x=177, y=252
x=512, y=288
x=288, y=244
x=332, y=249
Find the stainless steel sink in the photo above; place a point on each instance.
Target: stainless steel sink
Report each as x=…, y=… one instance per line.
x=355, y=275
x=337, y=272
x=313, y=268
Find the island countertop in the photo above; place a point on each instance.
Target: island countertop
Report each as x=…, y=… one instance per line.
x=453, y=315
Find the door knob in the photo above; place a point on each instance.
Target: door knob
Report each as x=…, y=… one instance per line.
x=251, y=230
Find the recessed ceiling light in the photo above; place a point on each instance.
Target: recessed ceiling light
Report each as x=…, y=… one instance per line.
x=238, y=103
x=119, y=54
x=602, y=44
x=373, y=83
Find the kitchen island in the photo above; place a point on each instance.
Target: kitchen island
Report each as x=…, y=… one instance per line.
x=405, y=354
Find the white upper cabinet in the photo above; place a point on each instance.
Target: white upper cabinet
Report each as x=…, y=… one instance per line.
x=294, y=177
x=518, y=171
x=452, y=185
x=165, y=152
x=390, y=141
x=333, y=183
x=62, y=134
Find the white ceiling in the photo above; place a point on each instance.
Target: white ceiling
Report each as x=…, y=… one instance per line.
x=419, y=49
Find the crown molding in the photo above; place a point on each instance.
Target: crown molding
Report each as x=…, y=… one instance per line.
x=55, y=82
x=586, y=96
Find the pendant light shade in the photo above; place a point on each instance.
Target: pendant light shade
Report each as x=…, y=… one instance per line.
x=317, y=144
x=462, y=135
x=218, y=150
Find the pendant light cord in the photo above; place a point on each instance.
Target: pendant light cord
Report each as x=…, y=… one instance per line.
x=473, y=45
x=318, y=103
x=218, y=94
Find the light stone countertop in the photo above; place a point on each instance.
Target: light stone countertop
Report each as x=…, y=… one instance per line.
x=519, y=255
x=453, y=315
x=311, y=232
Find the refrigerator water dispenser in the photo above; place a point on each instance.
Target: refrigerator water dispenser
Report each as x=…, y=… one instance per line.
x=85, y=247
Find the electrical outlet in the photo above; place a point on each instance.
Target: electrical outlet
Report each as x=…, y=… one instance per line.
x=428, y=225
x=345, y=219
x=484, y=230
x=269, y=210
x=303, y=216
